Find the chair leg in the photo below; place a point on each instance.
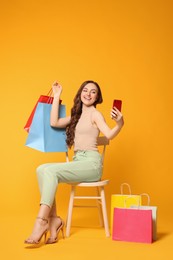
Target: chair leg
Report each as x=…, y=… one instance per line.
x=105, y=217
x=70, y=210
x=99, y=208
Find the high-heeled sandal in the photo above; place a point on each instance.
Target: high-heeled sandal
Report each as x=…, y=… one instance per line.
x=32, y=241
x=52, y=240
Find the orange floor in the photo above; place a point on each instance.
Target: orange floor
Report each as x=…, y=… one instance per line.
x=87, y=242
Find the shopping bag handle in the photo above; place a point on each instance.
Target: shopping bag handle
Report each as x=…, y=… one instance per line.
x=137, y=199
x=49, y=94
x=148, y=197
x=125, y=184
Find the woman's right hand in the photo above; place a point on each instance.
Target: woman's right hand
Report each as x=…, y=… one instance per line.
x=57, y=89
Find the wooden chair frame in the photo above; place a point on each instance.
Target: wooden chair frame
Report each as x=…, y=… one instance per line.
x=100, y=197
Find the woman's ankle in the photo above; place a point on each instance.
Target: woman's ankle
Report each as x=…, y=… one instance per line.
x=42, y=220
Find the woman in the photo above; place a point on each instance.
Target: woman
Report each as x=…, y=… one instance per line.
x=82, y=130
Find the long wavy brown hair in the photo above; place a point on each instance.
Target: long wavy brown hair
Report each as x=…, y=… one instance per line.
x=76, y=111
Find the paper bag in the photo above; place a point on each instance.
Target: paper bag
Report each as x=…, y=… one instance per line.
x=42, y=136
x=118, y=200
x=154, y=214
x=43, y=99
x=132, y=225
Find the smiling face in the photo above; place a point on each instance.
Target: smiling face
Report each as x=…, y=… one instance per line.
x=89, y=94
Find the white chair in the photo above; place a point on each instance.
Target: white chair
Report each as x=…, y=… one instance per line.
x=99, y=197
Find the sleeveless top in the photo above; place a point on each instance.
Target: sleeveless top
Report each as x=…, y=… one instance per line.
x=86, y=133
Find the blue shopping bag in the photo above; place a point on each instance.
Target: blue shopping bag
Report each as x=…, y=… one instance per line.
x=42, y=136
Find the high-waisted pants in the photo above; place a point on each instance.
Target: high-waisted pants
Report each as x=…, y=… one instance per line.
x=85, y=167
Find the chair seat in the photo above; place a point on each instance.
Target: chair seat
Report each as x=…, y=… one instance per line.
x=91, y=184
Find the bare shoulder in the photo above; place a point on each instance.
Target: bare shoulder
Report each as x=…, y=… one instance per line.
x=97, y=115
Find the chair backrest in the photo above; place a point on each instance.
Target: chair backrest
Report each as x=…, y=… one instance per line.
x=102, y=141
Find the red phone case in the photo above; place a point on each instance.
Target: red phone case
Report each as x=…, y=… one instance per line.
x=118, y=104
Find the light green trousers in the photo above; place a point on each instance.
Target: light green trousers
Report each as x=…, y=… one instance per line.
x=86, y=166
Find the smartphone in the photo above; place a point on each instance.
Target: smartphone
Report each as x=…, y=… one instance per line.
x=118, y=104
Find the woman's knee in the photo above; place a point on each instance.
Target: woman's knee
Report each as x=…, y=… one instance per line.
x=40, y=169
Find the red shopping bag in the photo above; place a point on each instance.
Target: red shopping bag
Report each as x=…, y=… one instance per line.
x=43, y=99
x=132, y=225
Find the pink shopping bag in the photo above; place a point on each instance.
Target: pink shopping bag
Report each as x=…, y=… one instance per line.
x=154, y=214
x=132, y=225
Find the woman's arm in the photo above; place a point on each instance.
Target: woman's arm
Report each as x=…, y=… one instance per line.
x=99, y=120
x=55, y=121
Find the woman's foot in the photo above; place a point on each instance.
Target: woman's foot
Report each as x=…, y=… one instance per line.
x=56, y=224
x=40, y=228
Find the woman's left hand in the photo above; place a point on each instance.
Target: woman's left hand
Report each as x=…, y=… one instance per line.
x=117, y=116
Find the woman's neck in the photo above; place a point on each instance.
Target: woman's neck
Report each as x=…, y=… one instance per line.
x=87, y=108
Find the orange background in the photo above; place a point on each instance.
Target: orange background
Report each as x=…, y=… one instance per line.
x=126, y=46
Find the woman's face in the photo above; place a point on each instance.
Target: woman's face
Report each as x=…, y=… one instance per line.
x=89, y=94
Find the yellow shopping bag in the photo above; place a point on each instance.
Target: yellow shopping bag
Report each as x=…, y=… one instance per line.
x=120, y=200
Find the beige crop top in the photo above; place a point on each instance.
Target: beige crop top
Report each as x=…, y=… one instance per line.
x=86, y=133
